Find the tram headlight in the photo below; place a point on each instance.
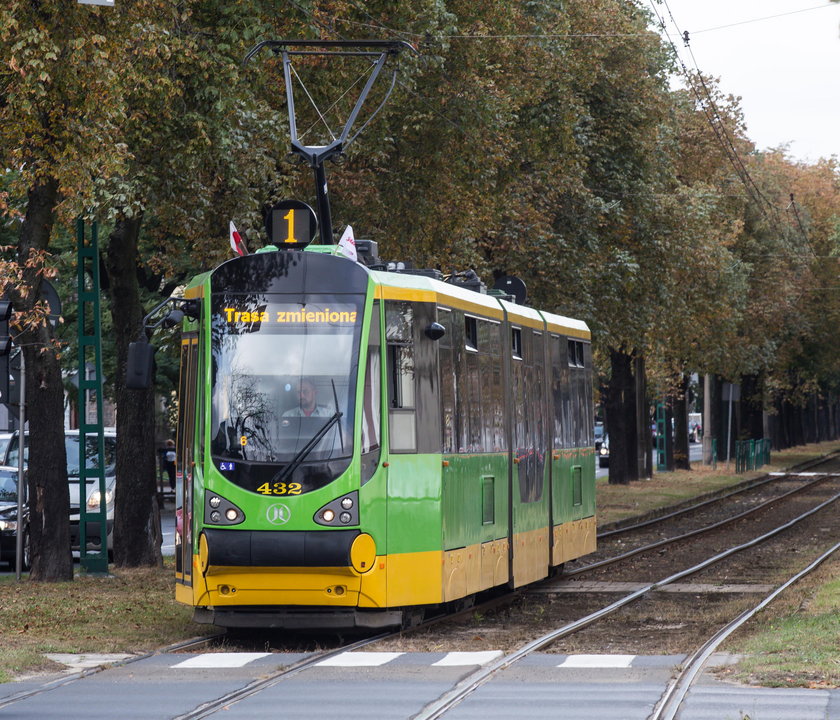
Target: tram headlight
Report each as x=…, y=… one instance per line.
x=220, y=511
x=344, y=510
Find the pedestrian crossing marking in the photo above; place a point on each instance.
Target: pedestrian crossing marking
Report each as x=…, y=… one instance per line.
x=376, y=659
x=360, y=659
x=220, y=660
x=597, y=661
x=457, y=659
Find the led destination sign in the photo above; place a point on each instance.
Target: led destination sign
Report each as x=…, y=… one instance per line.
x=288, y=314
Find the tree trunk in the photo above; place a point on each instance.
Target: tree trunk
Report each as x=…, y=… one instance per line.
x=682, y=461
x=49, y=496
x=752, y=406
x=643, y=438
x=136, y=514
x=620, y=409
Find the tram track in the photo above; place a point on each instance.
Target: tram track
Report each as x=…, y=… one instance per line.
x=440, y=706
x=211, y=706
x=677, y=690
x=181, y=646
x=265, y=682
x=703, y=530
x=657, y=517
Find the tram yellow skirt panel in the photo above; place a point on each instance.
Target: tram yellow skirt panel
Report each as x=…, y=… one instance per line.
x=414, y=578
x=530, y=556
x=340, y=587
x=573, y=540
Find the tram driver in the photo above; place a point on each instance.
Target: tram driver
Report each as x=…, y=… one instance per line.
x=309, y=406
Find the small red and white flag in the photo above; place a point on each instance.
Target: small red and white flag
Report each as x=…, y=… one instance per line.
x=347, y=244
x=237, y=244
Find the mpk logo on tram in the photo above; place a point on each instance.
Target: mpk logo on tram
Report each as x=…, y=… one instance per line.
x=278, y=514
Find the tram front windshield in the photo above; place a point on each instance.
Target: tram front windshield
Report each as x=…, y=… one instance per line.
x=284, y=376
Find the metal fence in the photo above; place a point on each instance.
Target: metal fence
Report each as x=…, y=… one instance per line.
x=751, y=454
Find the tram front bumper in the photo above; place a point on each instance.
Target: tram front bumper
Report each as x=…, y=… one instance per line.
x=298, y=568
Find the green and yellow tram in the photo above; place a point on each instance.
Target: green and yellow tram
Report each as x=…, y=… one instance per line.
x=358, y=446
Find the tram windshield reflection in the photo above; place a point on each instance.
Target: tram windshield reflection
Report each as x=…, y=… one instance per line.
x=281, y=370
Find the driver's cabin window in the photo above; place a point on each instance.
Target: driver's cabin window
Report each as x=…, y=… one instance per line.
x=399, y=329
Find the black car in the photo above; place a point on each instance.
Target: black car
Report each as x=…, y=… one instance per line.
x=9, y=518
x=603, y=452
x=602, y=446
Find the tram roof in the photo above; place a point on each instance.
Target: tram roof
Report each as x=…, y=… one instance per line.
x=419, y=288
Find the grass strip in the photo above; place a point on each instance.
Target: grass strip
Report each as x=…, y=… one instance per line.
x=130, y=611
x=134, y=611
x=794, y=643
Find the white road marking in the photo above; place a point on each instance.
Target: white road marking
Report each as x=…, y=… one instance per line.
x=220, y=660
x=360, y=659
x=597, y=661
x=454, y=659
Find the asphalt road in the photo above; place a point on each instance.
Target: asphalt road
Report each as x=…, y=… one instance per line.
x=395, y=686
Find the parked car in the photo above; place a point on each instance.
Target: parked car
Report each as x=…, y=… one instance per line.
x=598, y=435
x=5, y=439
x=9, y=524
x=92, y=495
x=604, y=452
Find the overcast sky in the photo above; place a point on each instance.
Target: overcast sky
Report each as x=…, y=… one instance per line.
x=786, y=69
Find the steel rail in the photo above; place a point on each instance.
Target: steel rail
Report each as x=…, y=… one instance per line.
x=87, y=672
x=255, y=686
x=692, y=533
x=674, y=695
x=742, y=488
x=447, y=701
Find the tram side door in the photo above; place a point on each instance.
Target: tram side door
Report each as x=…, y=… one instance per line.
x=184, y=465
x=529, y=499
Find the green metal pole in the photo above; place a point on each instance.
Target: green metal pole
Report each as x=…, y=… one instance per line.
x=90, y=341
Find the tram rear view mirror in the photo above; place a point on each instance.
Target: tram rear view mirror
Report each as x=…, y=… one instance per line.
x=139, y=365
x=435, y=331
x=173, y=318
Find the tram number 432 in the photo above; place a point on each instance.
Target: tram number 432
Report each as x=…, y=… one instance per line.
x=279, y=488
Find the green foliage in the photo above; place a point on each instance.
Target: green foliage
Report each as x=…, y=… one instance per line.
x=539, y=139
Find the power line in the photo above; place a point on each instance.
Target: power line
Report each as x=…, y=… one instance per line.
x=728, y=138
x=761, y=19
x=712, y=114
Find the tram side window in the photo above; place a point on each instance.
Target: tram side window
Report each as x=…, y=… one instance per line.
x=492, y=390
x=576, y=353
x=448, y=396
x=588, y=416
x=580, y=410
x=516, y=343
x=471, y=333
x=529, y=414
x=399, y=321
x=372, y=400
x=556, y=392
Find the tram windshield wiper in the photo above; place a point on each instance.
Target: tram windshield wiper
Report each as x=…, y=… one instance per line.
x=308, y=448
